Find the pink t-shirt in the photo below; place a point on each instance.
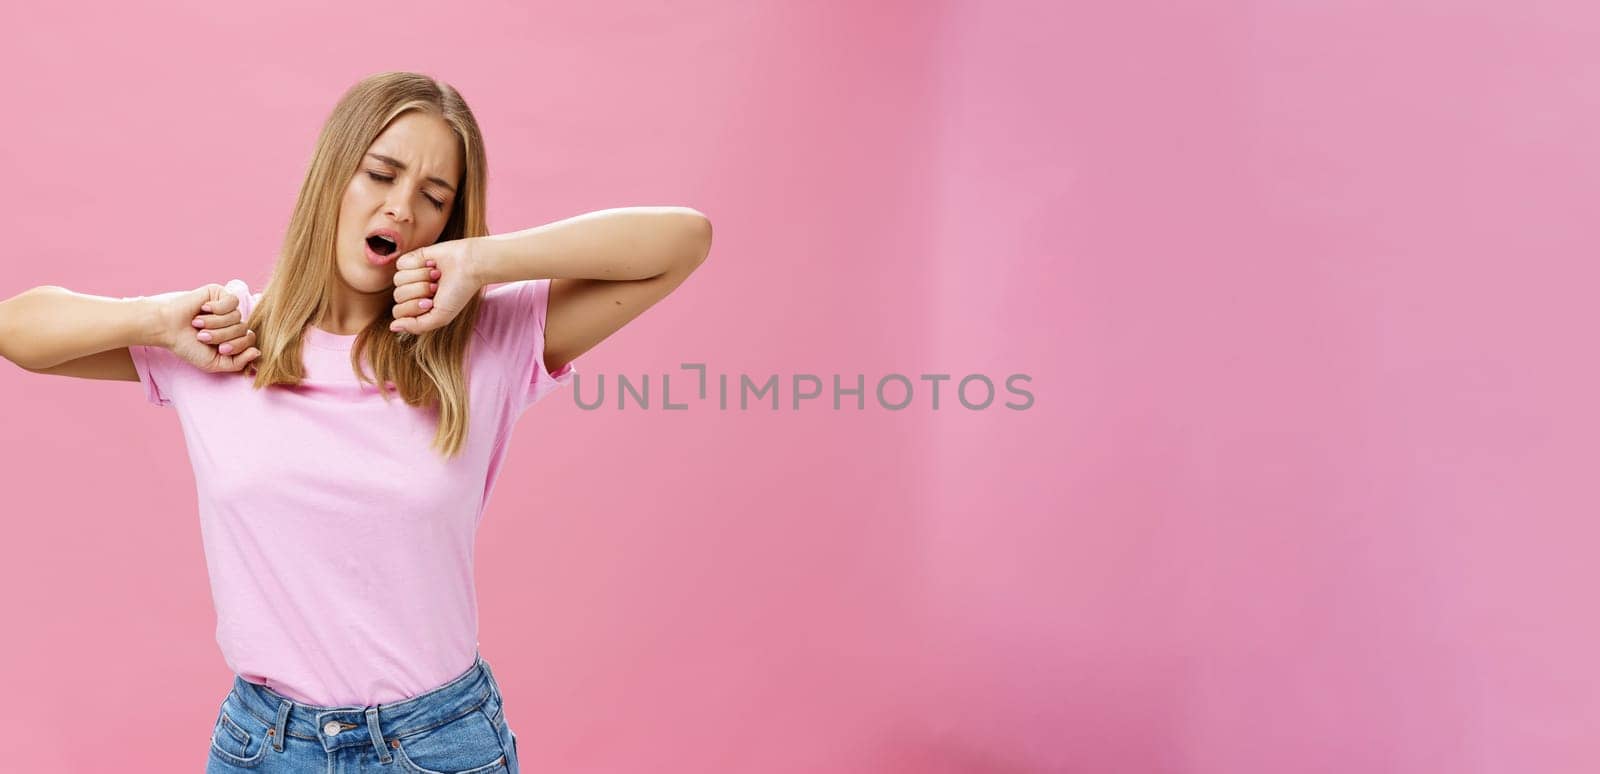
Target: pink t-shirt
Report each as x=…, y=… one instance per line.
x=338, y=544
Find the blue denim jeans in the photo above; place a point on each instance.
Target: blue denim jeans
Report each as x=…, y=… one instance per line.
x=457, y=728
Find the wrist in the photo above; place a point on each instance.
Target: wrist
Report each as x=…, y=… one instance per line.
x=484, y=260
x=152, y=329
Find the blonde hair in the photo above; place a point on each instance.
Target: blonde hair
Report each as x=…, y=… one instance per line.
x=426, y=369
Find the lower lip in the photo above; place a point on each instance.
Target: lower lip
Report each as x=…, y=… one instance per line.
x=375, y=259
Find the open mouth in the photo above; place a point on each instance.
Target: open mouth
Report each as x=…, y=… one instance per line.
x=380, y=244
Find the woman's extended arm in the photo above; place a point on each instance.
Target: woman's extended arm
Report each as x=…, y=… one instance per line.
x=49, y=325
x=606, y=268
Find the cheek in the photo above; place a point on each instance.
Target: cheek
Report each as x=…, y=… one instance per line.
x=347, y=206
x=436, y=227
x=360, y=192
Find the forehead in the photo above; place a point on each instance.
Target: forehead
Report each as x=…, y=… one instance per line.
x=424, y=143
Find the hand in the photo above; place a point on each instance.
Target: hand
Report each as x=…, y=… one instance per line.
x=432, y=285
x=220, y=343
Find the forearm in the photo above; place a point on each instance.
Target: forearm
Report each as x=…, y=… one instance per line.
x=49, y=325
x=627, y=243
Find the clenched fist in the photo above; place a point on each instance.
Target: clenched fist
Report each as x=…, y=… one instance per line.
x=203, y=326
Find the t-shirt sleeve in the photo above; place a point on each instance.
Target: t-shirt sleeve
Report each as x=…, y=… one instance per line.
x=514, y=315
x=155, y=366
x=164, y=373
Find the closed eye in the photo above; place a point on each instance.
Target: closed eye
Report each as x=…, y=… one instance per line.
x=437, y=204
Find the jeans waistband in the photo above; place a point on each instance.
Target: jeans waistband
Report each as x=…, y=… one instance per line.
x=350, y=725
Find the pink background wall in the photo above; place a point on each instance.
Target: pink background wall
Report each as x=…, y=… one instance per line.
x=1298, y=285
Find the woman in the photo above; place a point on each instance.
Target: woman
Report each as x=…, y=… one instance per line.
x=338, y=523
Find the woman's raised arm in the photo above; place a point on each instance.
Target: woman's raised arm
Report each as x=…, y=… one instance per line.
x=49, y=325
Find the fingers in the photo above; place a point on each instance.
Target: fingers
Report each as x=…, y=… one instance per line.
x=222, y=333
x=414, y=290
x=226, y=303
x=224, y=329
x=213, y=321
x=414, y=259
x=219, y=324
x=408, y=276
x=240, y=344
x=413, y=308
x=243, y=357
x=413, y=285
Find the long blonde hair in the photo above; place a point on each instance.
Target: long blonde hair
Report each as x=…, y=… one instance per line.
x=427, y=369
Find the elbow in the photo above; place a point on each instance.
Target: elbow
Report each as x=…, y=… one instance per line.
x=14, y=328
x=699, y=237
x=8, y=332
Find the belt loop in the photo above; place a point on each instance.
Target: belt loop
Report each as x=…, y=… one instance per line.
x=282, y=727
x=377, y=735
x=494, y=686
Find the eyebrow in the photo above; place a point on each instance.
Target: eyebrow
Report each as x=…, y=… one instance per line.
x=402, y=167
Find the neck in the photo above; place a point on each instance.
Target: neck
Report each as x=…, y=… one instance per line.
x=350, y=310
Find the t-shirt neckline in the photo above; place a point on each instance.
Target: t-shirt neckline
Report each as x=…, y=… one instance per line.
x=321, y=339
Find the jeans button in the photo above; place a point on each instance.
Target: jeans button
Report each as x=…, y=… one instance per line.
x=331, y=728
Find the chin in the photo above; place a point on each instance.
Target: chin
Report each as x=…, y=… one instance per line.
x=365, y=278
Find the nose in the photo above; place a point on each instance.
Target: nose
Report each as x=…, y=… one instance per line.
x=396, y=205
